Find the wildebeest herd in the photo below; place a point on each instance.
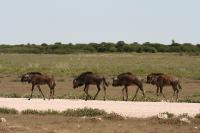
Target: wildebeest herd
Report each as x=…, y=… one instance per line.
x=89, y=78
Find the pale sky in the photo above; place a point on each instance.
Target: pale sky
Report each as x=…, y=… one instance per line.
x=84, y=21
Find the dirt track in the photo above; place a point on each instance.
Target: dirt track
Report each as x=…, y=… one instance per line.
x=129, y=109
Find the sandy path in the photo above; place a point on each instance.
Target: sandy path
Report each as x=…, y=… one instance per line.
x=130, y=109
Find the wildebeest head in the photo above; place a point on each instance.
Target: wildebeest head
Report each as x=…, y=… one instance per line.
x=149, y=78
x=26, y=78
x=77, y=83
x=152, y=79
x=115, y=82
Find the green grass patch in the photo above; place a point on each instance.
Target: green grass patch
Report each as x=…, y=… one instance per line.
x=36, y=112
x=87, y=112
x=84, y=112
x=8, y=111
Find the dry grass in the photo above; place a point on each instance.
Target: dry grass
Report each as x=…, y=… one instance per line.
x=59, y=124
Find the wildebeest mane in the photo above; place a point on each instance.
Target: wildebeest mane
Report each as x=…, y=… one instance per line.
x=126, y=73
x=39, y=73
x=83, y=74
x=157, y=74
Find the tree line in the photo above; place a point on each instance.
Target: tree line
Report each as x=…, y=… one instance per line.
x=104, y=47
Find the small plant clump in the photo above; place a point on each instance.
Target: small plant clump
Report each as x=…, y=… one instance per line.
x=197, y=116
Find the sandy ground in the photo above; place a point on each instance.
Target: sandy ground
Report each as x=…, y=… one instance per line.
x=129, y=109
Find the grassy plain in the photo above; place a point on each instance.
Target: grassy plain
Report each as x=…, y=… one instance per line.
x=107, y=64
x=64, y=67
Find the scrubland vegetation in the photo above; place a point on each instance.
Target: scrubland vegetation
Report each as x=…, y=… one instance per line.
x=94, y=120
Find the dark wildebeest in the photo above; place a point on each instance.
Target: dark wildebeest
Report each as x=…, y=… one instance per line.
x=128, y=79
x=89, y=78
x=161, y=80
x=37, y=79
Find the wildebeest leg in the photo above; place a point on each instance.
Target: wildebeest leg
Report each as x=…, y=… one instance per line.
x=161, y=91
x=123, y=93
x=98, y=87
x=135, y=94
x=104, y=93
x=41, y=91
x=177, y=91
x=143, y=93
x=33, y=86
x=51, y=87
x=53, y=92
x=157, y=91
x=174, y=91
x=86, y=92
x=126, y=89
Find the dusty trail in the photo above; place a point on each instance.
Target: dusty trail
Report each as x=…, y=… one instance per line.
x=129, y=109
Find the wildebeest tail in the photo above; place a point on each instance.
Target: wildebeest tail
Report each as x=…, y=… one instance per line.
x=53, y=82
x=104, y=82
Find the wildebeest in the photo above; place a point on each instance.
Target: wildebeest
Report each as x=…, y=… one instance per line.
x=161, y=80
x=128, y=79
x=89, y=78
x=37, y=79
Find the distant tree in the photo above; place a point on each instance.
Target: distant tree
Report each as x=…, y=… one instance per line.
x=173, y=42
x=120, y=46
x=139, y=50
x=44, y=44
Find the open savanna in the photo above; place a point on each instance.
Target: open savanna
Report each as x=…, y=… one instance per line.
x=65, y=67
